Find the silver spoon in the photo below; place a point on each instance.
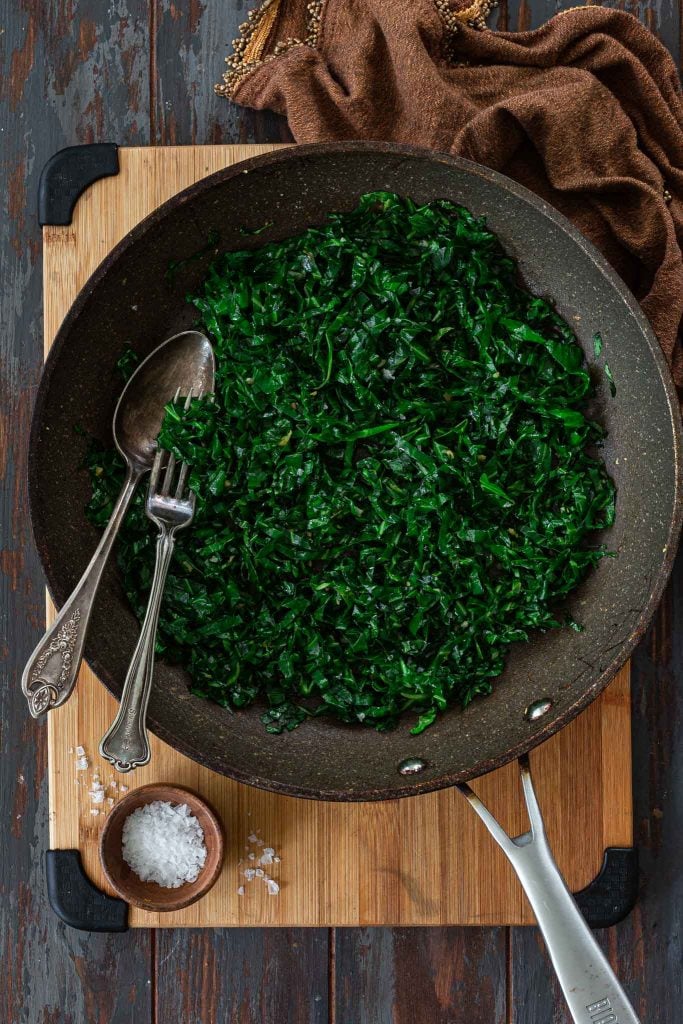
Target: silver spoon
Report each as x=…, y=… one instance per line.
x=185, y=361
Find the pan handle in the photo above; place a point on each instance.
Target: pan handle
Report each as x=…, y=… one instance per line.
x=593, y=994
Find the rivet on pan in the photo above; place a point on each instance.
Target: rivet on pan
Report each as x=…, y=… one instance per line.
x=538, y=709
x=411, y=766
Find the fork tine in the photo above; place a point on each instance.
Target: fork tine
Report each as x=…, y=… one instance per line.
x=182, y=477
x=168, y=476
x=156, y=470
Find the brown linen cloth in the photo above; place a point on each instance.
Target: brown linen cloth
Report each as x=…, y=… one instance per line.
x=586, y=111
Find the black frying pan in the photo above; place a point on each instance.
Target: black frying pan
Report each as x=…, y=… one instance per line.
x=130, y=298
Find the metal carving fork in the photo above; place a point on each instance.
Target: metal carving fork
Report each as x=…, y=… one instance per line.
x=126, y=744
x=591, y=988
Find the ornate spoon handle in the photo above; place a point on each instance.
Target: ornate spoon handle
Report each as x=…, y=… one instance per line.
x=50, y=674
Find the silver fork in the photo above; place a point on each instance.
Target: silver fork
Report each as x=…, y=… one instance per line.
x=126, y=744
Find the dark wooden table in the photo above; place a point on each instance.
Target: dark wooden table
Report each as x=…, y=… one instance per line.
x=141, y=72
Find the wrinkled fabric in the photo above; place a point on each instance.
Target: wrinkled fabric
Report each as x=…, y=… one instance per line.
x=585, y=111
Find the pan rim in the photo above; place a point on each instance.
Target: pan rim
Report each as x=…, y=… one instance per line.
x=278, y=155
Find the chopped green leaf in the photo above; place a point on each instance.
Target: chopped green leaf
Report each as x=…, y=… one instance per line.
x=256, y=231
x=610, y=378
x=127, y=362
x=597, y=344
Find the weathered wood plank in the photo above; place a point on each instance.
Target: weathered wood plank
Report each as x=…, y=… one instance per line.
x=420, y=975
x=244, y=976
x=498, y=19
x=69, y=73
x=648, y=946
x=191, y=42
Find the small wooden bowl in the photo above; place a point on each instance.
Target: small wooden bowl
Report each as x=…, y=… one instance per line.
x=150, y=895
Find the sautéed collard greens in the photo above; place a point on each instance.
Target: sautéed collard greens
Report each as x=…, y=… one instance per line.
x=396, y=479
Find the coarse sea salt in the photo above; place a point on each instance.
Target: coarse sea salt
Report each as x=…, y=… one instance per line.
x=164, y=843
x=266, y=856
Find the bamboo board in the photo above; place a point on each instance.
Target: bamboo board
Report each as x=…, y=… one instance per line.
x=426, y=860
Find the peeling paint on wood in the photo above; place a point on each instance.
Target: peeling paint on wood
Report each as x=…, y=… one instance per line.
x=243, y=976
x=411, y=975
x=191, y=42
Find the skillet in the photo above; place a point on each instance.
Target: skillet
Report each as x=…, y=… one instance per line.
x=131, y=298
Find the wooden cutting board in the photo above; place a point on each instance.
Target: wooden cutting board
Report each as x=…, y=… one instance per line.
x=419, y=861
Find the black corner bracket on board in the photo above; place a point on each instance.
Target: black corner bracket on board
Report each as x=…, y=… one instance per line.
x=66, y=176
x=76, y=901
x=612, y=894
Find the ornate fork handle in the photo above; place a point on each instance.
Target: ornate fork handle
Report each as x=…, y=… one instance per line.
x=50, y=674
x=126, y=744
